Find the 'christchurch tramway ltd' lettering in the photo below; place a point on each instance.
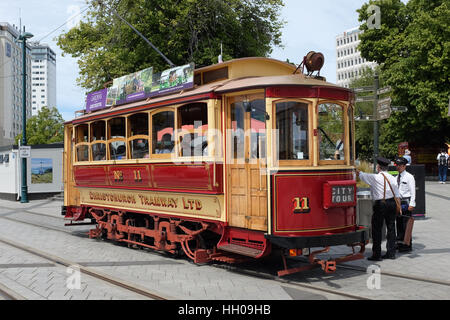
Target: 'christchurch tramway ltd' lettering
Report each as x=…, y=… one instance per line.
x=103, y=196
x=148, y=200
x=159, y=201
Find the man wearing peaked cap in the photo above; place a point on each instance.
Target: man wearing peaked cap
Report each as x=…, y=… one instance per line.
x=383, y=161
x=407, y=189
x=383, y=188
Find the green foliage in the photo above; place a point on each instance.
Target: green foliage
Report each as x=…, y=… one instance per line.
x=363, y=128
x=44, y=128
x=184, y=30
x=413, y=49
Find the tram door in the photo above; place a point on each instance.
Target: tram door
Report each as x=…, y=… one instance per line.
x=246, y=161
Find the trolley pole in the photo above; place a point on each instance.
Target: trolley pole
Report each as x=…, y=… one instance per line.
x=375, y=122
x=23, y=37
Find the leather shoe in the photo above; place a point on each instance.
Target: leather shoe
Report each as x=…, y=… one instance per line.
x=388, y=257
x=374, y=258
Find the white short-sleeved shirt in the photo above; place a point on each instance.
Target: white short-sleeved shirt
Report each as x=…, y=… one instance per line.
x=407, y=187
x=376, y=183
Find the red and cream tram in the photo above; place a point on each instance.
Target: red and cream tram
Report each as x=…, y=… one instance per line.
x=256, y=156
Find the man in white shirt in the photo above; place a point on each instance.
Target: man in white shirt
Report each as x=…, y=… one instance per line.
x=383, y=188
x=407, y=188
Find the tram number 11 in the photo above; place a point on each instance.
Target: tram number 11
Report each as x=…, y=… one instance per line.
x=137, y=176
x=301, y=205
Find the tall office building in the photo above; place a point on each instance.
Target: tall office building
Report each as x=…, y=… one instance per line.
x=43, y=77
x=349, y=63
x=11, y=90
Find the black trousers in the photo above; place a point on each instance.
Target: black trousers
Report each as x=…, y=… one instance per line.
x=383, y=211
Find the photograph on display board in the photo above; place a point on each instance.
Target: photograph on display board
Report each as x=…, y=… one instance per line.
x=41, y=170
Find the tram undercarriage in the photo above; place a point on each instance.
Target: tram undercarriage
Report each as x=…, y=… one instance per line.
x=203, y=242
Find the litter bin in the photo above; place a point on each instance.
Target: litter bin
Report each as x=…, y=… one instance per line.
x=418, y=171
x=364, y=212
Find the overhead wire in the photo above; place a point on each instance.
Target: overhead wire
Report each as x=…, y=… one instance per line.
x=73, y=17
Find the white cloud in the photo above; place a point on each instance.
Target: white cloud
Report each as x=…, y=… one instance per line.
x=311, y=25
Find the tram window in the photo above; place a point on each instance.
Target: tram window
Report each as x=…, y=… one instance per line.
x=139, y=148
x=82, y=153
x=237, y=130
x=98, y=151
x=292, y=125
x=193, y=135
x=331, y=132
x=258, y=128
x=138, y=124
x=138, y=133
x=116, y=128
x=117, y=150
x=98, y=130
x=81, y=133
x=162, y=132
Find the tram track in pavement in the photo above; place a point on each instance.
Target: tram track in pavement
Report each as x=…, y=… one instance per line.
x=229, y=267
x=271, y=275
x=268, y=276
x=399, y=275
x=255, y=273
x=11, y=295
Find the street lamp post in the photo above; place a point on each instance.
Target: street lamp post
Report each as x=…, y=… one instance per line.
x=23, y=37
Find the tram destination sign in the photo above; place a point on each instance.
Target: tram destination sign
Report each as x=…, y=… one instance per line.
x=342, y=194
x=339, y=193
x=141, y=85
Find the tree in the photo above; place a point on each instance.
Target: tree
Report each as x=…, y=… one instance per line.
x=363, y=127
x=184, y=30
x=44, y=128
x=412, y=48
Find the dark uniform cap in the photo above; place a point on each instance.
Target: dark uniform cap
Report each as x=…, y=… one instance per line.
x=401, y=161
x=383, y=161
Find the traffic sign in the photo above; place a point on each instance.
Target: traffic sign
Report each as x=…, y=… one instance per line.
x=384, y=90
x=24, y=151
x=365, y=98
x=384, y=108
x=399, y=108
x=384, y=102
x=364, y=89
x=384, y=113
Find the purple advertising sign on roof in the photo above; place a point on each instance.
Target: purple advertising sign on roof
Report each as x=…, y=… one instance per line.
x=141, y=85
x=96, y=100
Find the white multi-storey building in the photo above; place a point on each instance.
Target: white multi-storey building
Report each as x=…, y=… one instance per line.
x=11, y=87
x=43, y=77
x=349, y=63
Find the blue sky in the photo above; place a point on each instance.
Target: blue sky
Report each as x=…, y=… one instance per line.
x=310, y=25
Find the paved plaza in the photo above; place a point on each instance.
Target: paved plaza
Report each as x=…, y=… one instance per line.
x=33, y=277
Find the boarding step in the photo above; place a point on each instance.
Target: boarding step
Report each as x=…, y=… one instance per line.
x=245, y=251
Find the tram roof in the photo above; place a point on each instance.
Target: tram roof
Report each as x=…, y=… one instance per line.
x=243, y=74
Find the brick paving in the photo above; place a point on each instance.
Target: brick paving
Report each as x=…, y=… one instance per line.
x=37, y=278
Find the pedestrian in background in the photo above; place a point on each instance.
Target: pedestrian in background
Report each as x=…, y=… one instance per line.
x=407, y=189
x=407, y=156
x=442, y=159
x=383, y=188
